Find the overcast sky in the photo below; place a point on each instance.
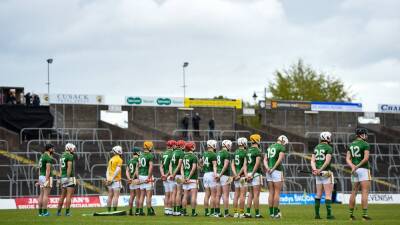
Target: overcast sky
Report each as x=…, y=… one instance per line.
x=137, y=47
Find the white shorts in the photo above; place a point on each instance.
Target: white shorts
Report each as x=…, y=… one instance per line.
x=42, y=182
x=325, y=179
x=257, y=180
x=361, y=174
x=145, y=186
x=209, y=180
x=134, y=187
x=169, y=185
x=190, y=186
x=223, y=180
x=68, y=182
x=240, y=183
x=276, y=176
x=115, y=185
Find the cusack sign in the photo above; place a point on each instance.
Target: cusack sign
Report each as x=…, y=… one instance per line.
x=154, y=101
x=386, y=108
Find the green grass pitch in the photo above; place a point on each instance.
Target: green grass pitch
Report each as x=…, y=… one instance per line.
x=381, y=214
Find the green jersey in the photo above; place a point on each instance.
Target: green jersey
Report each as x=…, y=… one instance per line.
x=357, y=149
x=177, y=154
x=239, y=158
x=166, y=159
x=188, y=160
x=320, y=153
x=208, y=158
x=144, y=161
x=132, y=166
x=221, y=157
x=65, y=158
x=44, y=159
x=273, y=155
x=252, y=155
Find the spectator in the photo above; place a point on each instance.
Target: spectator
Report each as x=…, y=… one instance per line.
x=35, y=100
x=185, y=126
x=211, y=127
x=11, y=99
x=196, y=124
x=28, y=99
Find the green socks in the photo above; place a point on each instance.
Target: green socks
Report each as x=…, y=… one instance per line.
x=193, y=211
x=271, y=210
x=317, y=205
x=67, y=211
x=276, y=210
x=328, y=204
x=109, y=209
x=136, y=210
x=206, y=211
x=365, y=212
x=248, y=210
x=212, y=210
x=257, y=212
x=115, y=208
x=217, y=211
x=351, y=211
x=226, y=212
x=40, y=211
x=44, y=211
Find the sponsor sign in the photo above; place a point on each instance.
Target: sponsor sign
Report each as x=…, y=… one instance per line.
x=154, y=101
x=82, y=99
x=208, y=102
x=298, y=199
x=249, y=112
x=372, y=198
x=386, y=108
x=7, y=204
x=156, y=200
x=77, y=202
x=336, y=106
x=293, y=105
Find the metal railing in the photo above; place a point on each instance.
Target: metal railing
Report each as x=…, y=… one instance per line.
x=4, y=145
x=65, y=134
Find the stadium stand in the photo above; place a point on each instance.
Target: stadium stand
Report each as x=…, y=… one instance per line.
x=94, y=139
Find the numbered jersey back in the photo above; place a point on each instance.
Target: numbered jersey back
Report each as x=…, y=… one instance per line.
x=320, y=153
x=357, y=149
x=208, y=158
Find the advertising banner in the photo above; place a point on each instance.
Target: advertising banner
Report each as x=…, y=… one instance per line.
x=82, y=99
x=386, y=108
x=7, y=204
x=77, y=202
x=372, y=198
x=336, y=106
x=209, y=102
x=154, y=101
x=293, y=105
x=156, y=200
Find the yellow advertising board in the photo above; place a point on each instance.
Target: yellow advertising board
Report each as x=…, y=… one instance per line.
x=208, y=102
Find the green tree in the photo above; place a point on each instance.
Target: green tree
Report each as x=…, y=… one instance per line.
x=302, y=83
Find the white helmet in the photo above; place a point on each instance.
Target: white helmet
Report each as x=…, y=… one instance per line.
x=212, y=144
x=70, y=147
x=326, y=136
x=227, y=144
x=117, y=150
x=283, y=139
x=242, y=141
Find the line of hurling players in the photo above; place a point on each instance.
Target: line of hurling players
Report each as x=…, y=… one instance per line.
x=180, y=167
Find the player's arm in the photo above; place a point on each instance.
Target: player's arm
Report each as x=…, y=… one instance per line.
x=256, y=165
x=48, y=171
x=313, y=166
x=150, y=174
x=162, y=169
x=244, y=168
x=214, y=162
x=136, y=174
x=116, y=172
x=178, y=167
x=226, y=164
x=69, y=169
x=127, y=173
x=170, y=168
x=266, y=162
x=194, y=168
x=349, y=162
x=183, y=171
x=278, y=162
x=233, y=168
x=328, y=158
x=364, y=160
